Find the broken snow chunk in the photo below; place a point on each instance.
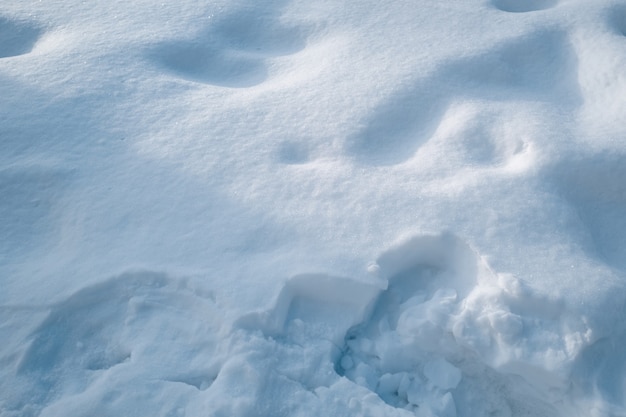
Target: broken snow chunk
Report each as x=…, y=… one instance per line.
x=405, y=384
x=365, y=376
x=373, y=269
x=447, y=407
x=389, y=383
x=512, y=285
x=442, y=374
x=416, y=394
x=347, y=362
x=448, y=294
x=505, y=323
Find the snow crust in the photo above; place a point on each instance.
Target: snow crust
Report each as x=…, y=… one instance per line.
x=308, y=208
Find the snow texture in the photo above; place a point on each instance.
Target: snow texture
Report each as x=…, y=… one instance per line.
x=313, y=208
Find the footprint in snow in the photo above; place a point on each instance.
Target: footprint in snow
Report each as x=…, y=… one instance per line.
x=234, y=51
x=17, y=37
x=398, y=127
x=538, y=68
x=617, y=19
x=523, y=6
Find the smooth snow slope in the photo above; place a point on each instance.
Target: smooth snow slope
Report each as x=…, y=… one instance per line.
x=306, y=208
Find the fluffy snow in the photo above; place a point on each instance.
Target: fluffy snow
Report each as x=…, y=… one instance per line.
x=313, y=208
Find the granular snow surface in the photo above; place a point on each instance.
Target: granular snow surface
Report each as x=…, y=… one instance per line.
x=302, y=208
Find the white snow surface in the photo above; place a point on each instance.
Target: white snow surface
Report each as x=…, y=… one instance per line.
x=313, y=208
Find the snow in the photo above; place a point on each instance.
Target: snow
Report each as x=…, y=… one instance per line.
x=307, y=208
